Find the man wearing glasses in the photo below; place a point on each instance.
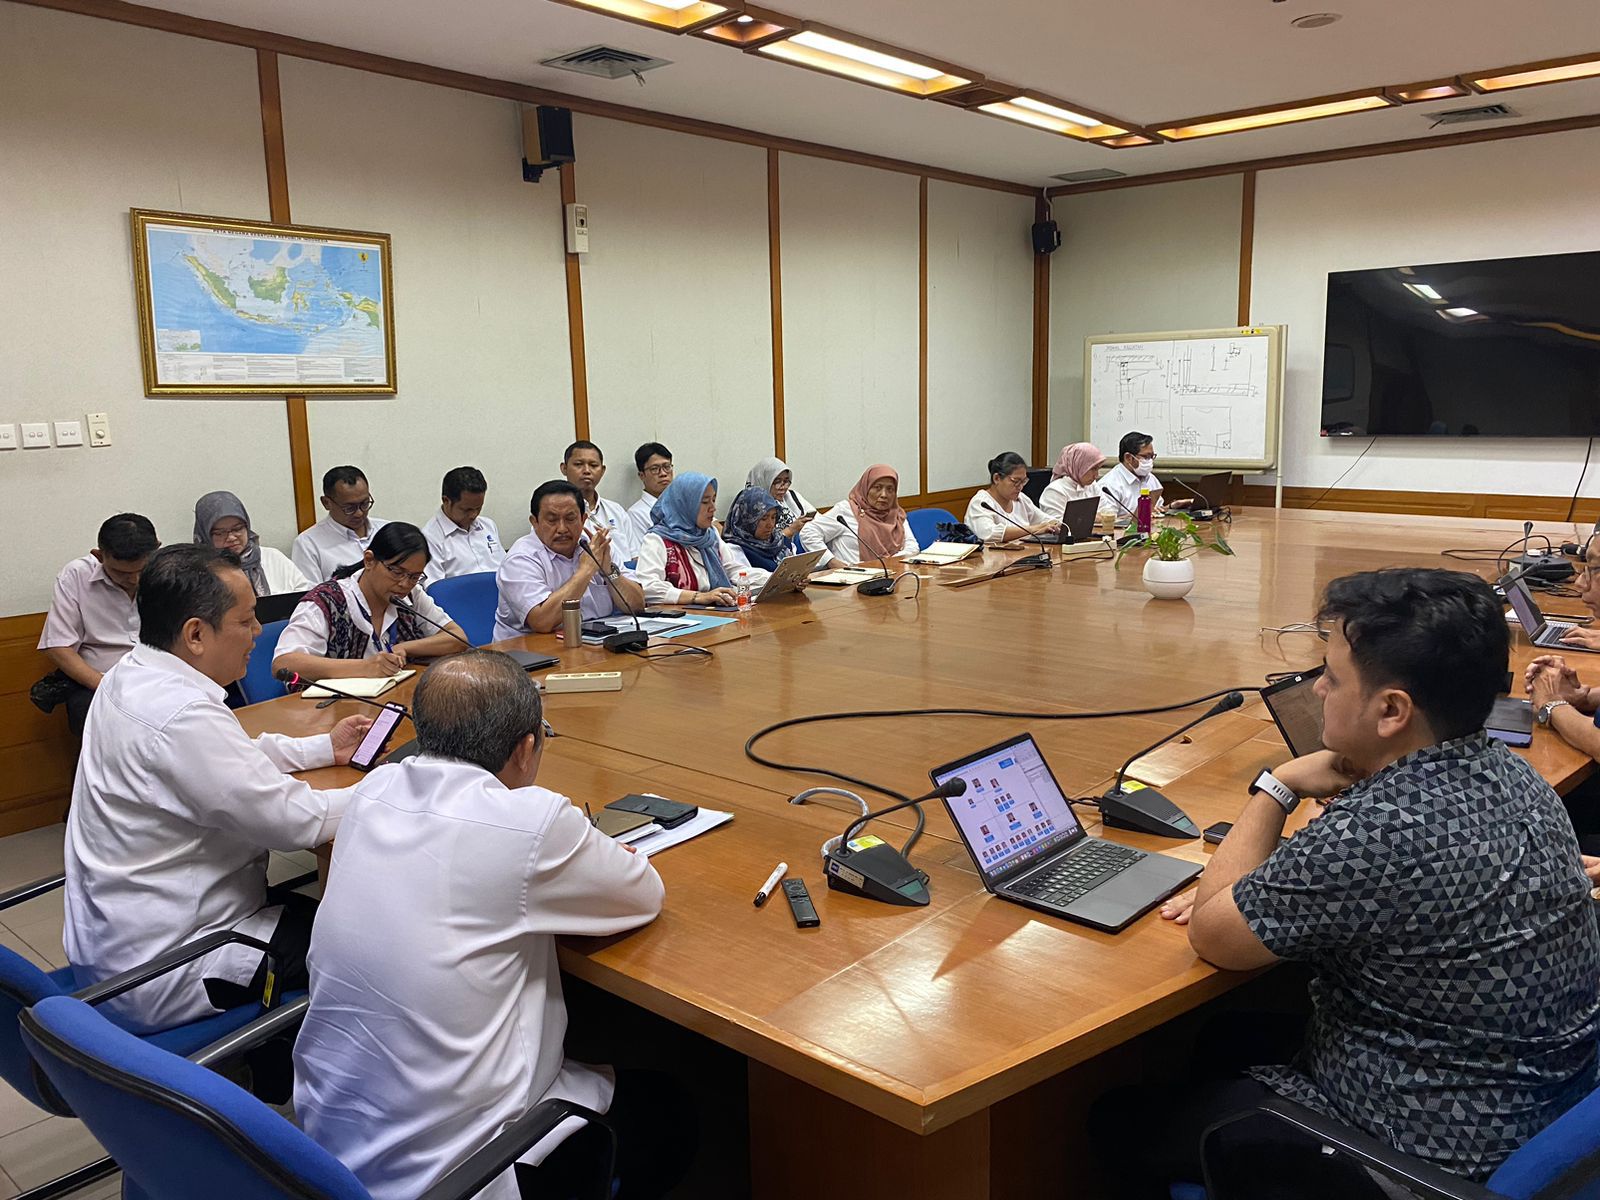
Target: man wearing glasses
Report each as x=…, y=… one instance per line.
x=1135, y=472
x=342, y=536
x=654, y=464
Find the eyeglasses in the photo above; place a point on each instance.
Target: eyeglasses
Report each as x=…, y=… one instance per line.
x=658, y=469
x=351, y=510
x=1151, y=457
x=413, y=577
x=236, y=533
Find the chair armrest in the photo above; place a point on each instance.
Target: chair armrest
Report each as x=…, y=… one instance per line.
x=1427, y=1181
x=264, y=1028
x=288, y=885
x=486, y=1163
x=108, y=989
x=28, y=891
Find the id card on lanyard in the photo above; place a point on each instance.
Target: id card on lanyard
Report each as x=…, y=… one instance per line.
x=380, y=642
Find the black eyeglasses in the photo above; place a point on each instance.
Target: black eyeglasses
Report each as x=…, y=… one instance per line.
x=414, y=577
x=351, y=510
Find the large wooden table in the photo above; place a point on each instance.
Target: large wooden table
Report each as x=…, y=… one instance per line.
x=932, y=1048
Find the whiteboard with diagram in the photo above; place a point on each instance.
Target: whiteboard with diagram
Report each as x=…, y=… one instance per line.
x=1209, y=397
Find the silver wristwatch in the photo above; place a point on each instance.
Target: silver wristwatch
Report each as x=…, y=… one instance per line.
x=1281, y=792
x=1545, y=710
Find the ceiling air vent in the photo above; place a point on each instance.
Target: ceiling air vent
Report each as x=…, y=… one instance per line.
x=1465, y=116
x=1093, y=176
x=605, y=62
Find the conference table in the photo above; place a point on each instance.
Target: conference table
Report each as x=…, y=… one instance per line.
x=947, y=1050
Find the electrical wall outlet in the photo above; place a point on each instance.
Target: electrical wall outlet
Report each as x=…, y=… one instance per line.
x=8, y=436
x=35, y=435
x=69, y=433
x=99, y=429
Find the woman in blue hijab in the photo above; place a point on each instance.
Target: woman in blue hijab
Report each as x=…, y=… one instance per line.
x=752, y=529
x=682, y=559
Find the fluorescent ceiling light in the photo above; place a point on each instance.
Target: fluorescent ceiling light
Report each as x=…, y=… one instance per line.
x=1516, y=79
x=1461, y=312
x=1423, y=290
x=1127, y=140
x=1417, y=93
x=871, y=58
x=676, y=15
x=823, y=52
x=1272, y=116
x=1047, y=116
x=1050, y=110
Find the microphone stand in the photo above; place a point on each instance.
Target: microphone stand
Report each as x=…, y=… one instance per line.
x=1041, y=559
x=879, y=871
x=871, y=587
x=1133, y=531
x=1147, y=810
x=627, y=641
x=1205, y=512
x=290, y=678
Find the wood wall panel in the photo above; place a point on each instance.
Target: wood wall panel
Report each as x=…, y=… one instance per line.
x=37, y=754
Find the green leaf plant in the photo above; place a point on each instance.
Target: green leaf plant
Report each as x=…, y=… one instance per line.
x=1177, y=537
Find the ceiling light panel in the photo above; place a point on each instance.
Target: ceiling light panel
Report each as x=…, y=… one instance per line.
x=869, y=62
x=1438, y=89
x=1531, y=76
x=679, y=16
x=750, y=28
x=1265, y=118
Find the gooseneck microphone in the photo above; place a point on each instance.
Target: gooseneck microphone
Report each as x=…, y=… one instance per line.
x=1146, y=810
x=1041, y=559
x=870, y=587
x=291, y=678
x=878, y=871
x=1134, y=517
x=527, y=660
x=628, y=641
x=1205, y=512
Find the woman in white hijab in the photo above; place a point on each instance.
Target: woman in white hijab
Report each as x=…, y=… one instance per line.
x=774, y=477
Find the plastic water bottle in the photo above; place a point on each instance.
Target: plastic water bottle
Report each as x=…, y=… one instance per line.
x=744, y=593
x=1143, y=512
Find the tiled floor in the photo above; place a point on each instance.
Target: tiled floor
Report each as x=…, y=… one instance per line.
x=35, y=1147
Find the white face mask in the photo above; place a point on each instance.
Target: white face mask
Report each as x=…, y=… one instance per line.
x=1143, y=468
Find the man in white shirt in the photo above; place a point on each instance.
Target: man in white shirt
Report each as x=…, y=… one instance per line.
x=654, y=464
x=583, y=466
x=461, y=540
x=437, y=1016
x=549, y=566
x=1134, y=472
x=344, y=534
x=92, y=620
x=174, y=808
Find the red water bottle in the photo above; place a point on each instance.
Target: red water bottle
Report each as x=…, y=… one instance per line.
x=1143, y=512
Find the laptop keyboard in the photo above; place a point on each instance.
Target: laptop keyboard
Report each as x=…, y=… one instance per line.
x=1078, y=873
x=1551, y=634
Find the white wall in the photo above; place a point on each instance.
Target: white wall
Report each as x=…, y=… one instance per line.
x=980, y=331
x=677, y=301
x=1532, y=195
x=479, y=280
x=1137, y=260
x=97, y=118
x=850, y=325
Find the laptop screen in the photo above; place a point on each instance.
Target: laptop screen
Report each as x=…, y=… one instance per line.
x=1297, y=709
x=1522, y=604
x=1013, y=810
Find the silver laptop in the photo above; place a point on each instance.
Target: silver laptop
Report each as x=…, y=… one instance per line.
x=1541, y=632
x=1030, y=848
x=790, y=574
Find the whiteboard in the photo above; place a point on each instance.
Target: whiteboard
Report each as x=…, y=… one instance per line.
x=1209, y=397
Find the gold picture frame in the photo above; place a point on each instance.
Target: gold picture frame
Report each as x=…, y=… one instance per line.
x=218, y=316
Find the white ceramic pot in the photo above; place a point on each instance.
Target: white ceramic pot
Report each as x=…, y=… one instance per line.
x=1168, y=580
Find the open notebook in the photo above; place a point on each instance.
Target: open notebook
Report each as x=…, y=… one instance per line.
x=365, y=686
x=942, y=554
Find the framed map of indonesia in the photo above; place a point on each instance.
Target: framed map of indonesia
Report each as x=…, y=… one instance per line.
x=244, y=308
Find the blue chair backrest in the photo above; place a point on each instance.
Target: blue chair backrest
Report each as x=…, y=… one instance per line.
x=470, y=600
x=177, y=1130
x=1570, y=1139
x=925, y=524
x=258, y=683
x=23, y=985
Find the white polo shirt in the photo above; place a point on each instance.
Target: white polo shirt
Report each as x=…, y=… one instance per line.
x=307, y=630
x=638, y=522
x=454, y=551
x=1126, y=486
x=613, y=516
x=328, y=545
x=436, y=1013
x=174, y=809
x=89, y=613
x=531, y=572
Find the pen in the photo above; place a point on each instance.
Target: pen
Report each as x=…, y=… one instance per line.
x=778, y=873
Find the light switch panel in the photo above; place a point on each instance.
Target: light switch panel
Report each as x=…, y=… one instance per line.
x=35, y=435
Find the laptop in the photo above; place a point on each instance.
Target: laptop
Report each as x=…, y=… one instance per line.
x=1540, y=631
x=1030, y=848
x=1216, y=488
x=790, y=575
x=1077, y=523
x=1297, y=711
x=276, y=607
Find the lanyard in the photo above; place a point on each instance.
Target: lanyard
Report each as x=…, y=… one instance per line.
x=378, y=642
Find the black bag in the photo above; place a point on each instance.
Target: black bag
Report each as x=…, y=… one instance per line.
x=955, y=531
x=51, y=691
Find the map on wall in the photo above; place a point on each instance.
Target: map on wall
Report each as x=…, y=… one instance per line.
x=235, y=307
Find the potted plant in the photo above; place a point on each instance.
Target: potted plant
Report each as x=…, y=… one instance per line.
x=1169, y=573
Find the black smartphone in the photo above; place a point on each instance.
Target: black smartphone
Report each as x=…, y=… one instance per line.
x=667, y=813
x=372, y=746
x=1215, y=833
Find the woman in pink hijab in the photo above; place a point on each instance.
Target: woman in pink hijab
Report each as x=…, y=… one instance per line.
x=869, y=523
x=1074, y=477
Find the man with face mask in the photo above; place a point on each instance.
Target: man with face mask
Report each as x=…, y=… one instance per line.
x=1134, y=473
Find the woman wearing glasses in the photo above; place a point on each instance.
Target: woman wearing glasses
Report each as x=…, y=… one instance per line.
x=1008, y=475
x=221, y=522
x=372, y=617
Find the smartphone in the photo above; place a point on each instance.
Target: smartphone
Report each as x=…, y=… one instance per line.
x=372, y=746
x=667, y=813
x=1215, y=833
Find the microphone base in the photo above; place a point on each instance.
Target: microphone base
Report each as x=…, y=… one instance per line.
x=876, y=587
x=1145, y=810
x=878, y=872
x=626, y=642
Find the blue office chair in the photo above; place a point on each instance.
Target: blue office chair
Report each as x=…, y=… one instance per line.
x=258, y=683
x=925, y=524
x=1561, y=1160
x=470, y=600
x=180, y=1132
x=22, y=985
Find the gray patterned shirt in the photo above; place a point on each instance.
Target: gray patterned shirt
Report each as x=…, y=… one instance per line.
x=1456, y=990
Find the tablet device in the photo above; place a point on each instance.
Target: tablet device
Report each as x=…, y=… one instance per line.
x=790, y=576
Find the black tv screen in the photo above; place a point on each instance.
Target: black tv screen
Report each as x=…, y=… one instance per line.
x=1506, y=347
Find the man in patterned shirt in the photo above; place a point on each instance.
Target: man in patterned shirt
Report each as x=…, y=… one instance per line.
x=1439, y=899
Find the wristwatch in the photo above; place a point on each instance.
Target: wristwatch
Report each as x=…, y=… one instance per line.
x=1543, y=715
x=1281, y=792
x=615, y=573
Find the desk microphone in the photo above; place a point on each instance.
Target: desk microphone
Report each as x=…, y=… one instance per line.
x=871, y=587
x=292, y=679
x=628, y=641
x=525, y=659
x=879, y=871
x=1134, y=524
x=1205, y=512
x=1146, y=810
x=1041, y=559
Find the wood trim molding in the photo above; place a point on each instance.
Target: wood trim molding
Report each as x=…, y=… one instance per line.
x=1439, y=504
x=775, y=283
x=1465, y=137
x=305, y=506
x=1247, y=241
x=575, y=340
x=1041, y=343
x=922, y=334
x=379, y=64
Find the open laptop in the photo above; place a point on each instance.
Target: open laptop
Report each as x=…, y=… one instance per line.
x=1077, y=523
x=276, y=607
x=1540, y=631
x=1030, y=848
x=1297, y=711
x=790, y=575
x=1217, y=488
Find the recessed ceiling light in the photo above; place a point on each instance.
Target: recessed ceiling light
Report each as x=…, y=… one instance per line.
x=1423, y=290
x=1582, y=69
x=1238, y=122
x=676, y=15
x=1043, y=115
x=1460, y=312
x=1316, y=20
x=883, y=66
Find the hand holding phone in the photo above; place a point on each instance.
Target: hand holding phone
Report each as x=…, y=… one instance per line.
x=371, y=749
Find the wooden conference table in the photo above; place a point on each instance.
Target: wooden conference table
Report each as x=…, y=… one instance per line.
x=943, y=1051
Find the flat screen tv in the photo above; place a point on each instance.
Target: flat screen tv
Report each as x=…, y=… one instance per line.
x=1506, y=347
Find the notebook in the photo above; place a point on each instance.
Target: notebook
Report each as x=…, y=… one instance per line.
x=365, y=686
x=944, y=554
